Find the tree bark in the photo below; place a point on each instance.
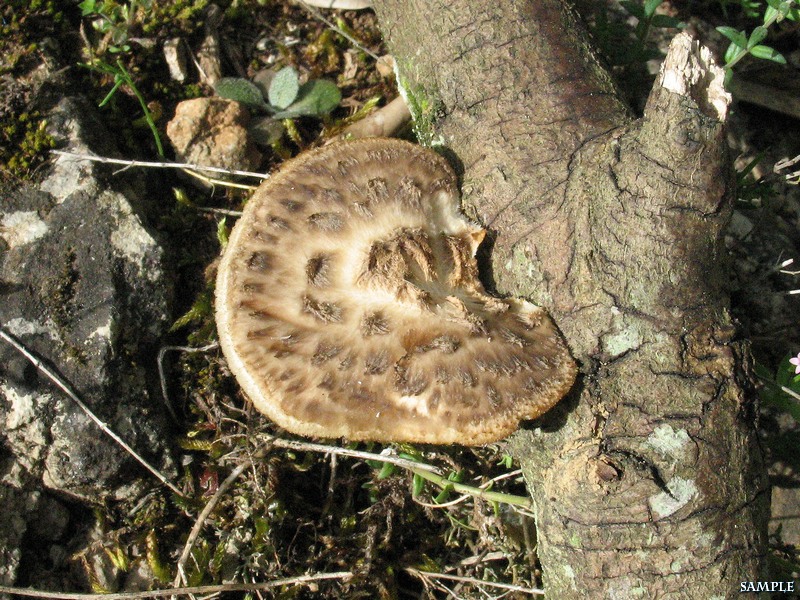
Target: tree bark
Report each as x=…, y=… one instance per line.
x=648, y=481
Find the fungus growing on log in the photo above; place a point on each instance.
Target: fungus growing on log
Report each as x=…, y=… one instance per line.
x=349, y=305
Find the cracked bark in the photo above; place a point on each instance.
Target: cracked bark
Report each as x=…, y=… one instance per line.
x=649, y=480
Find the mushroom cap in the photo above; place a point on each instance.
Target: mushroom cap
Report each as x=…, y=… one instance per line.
x=349, y=305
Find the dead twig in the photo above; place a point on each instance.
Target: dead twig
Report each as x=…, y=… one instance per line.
x=158, y=165
x=207, y=509
x=219, y=211
x=341, y=4
x=773, y=98
x=386, y=458
x=200, y=589
x=428, y=576
x=384, y=122
x=781, y=268
x=791, y=178
x=162, y=377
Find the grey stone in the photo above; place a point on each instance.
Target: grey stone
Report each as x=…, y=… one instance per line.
x=83, y=284
x=175, y=57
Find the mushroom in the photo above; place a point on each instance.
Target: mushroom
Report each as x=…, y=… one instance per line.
x=349, y=305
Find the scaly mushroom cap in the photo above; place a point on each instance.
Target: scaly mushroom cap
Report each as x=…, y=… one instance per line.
x=349, y=305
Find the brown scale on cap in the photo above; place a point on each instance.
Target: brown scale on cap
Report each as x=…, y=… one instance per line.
x=349, y=305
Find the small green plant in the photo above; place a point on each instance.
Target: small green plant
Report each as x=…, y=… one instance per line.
x=123, y=78
x=202, y=308
x=742, y=44
x=453, y=482
x=614, y=37
x=24, y=143
x=155, y=561
x=113, y=19
x=782, y=389
x=750, y=8
x=750, y=191
x=286, y=98
x=648, y=19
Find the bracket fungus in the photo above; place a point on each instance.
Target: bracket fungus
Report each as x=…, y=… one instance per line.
x=349, y=305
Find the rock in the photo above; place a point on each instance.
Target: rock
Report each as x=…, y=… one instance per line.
x=209, y=62
x=175, y=57
x=213, y=132
x=83, y=285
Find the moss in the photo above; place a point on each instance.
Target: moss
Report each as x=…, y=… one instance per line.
x=24, y=143
x=323, y=53
x=184, y=15
x=22, y=24
x=191, y=90
x=425, y=107
x=58, y=294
